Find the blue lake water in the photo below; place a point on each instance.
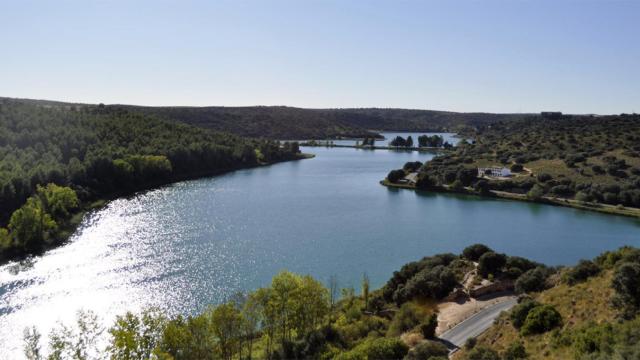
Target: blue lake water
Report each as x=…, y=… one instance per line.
x=193, y=243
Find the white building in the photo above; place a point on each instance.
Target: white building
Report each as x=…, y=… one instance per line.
x=494, y=171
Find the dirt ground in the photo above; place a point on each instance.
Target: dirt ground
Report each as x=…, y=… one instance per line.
x=453, y=312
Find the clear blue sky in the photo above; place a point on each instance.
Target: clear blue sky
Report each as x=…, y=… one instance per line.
x=499, y=56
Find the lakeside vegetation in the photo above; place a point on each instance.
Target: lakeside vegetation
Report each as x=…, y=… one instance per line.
x=589, y=309
x=586, y=162
x=56, y=160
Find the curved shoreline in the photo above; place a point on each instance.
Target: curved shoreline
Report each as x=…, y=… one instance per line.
x=69, y=229
x=594, y=207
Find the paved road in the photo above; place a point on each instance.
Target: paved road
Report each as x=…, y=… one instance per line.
x=476, y=324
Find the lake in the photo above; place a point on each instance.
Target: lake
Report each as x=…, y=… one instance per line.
x=193, y=243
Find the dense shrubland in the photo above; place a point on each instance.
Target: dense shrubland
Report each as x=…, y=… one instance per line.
x=297, y=317
x=589, y=311
x=584, y=158
x=97, y=152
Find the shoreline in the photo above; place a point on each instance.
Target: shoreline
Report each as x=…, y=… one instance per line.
x=368, y=147
x=570, y=203
x=70, y=228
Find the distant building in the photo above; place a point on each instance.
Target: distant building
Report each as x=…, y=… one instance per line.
x=494, y=171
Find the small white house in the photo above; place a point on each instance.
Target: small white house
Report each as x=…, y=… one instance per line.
x=494, y=171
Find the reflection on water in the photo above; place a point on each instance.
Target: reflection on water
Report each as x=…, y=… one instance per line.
x=184, y=246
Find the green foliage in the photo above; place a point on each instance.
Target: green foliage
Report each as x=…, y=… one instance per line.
x=377, y=349
x=541, y=319
x=30, y=225
x=88, y=152
x=482, y=353
x=134, y=337
x=428, y=328
x=58, y=201
x=581, y=272
x=395, y=175
x=427, y=350
x=491, y=263
x=594, y=338
x=412, y=166
x=519, y=312
x=473, y=252
x=430, y=141
x=578, y=157
x=515, y=351
x=532, y=280
x=406, y=318
x=626, y=283
x=536, y=192
x=394, y=289
x=37, y=222
x=470, y=343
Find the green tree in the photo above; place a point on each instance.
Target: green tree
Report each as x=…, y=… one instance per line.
x=59, y=200
x=541, y=319
x=30, y=225
x=226, y=323
x=473, y=252
x=626, y=283
x=134, y=337
x=536, y=192
x=491, y=263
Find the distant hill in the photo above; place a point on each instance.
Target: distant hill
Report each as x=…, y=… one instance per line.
x=283, y=122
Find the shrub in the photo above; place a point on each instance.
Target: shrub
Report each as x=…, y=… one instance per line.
x=412, y=166
x=491, y=263
x=473, y=252
x=425, y=182
x=544, y=177
x=521, y=263
x=431, y=282
x=626, y=283
x=515, y=351
x=428, y=328
x=483, y=353
x=380, y=348
x=427, y=350
x=541, y=319
x=467, y=176
x=395, y=175
x=470, y=343
x=407, y=318
x=581, y=272
x=532, y=280
x=536, y=192
x=519, y=312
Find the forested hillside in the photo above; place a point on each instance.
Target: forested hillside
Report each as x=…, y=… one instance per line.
x=96, y=152
x=280, y=122
x=586, y=161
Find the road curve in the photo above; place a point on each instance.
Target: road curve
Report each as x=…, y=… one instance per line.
x=476, y=324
